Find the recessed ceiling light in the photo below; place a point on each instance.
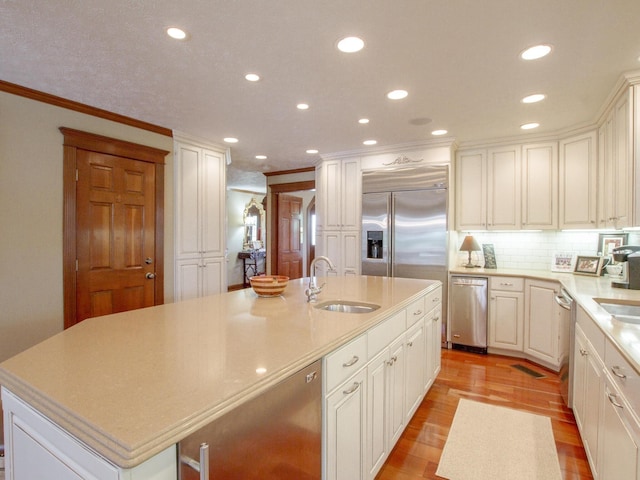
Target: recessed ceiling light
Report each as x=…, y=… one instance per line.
x=370, y=142
x=302, y=106
x=176, y=33
x=252, y=77
x=312, y=151
x=535, y=52
x=439, y=132
x=231, y=140
x=529, y=126
x=363, y=121
x=397, y=94
x=261, y=157
x=350, y=44
x=536, y=97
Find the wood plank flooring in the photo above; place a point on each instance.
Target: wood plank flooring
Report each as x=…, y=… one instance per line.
x=489, y=379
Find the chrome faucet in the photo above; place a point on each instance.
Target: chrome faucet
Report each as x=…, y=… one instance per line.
x=313, y=290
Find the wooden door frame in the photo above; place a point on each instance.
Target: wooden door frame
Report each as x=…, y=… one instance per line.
x=272, y=214
x=308, y=234
x=75, y=140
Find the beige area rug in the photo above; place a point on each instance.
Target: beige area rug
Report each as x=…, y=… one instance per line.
x=498, y=443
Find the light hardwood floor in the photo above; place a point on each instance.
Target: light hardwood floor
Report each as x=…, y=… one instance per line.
x=490, y=379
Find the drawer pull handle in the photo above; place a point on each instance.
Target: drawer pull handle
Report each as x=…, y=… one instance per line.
x=353, y=388
x=410, y=344
x=351, y=362
x=615, y=369
x=435, y=300
x=417, y=312
x=583, y=352
x=506, y=284
x=612, y=398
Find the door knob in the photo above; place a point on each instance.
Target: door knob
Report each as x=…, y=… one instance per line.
x=150, y=275
x=148, y=260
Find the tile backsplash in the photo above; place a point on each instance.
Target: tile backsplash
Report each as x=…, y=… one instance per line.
x=534, y=250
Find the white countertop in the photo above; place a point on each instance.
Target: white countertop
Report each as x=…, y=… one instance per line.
x=131, y=384
x=583, y=289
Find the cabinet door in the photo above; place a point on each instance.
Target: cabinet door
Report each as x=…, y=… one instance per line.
x=542, y=317
x=187, y=236
x=471, y=190
x=377, y=391
x=620, y=435
x=504, y=188
x=415, y=364
x=212, y=203
x=397, y=369
x=350, y=254
x=436, y=342
x=506, y=320
x=212, y=275
x=539, y=186
x=187, y=279
x=578, y=181
x=345, y=412
x=622, y=138
x=351, y=194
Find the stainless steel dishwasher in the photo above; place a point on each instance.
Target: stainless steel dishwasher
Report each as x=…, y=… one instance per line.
x=468, y=313
x=274, y=436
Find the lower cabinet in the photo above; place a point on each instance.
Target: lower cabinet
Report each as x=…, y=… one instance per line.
x=41, y=449
x=369, y=409
x=542, y=323
x=506, y=313
x=199, y=277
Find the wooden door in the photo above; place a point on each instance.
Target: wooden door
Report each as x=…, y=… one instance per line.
x=115, y=234
x=289, y=245
x=113, y=225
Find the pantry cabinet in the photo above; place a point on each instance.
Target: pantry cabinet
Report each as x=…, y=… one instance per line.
x=343, y=248
x=199, y=219
x=578, y=181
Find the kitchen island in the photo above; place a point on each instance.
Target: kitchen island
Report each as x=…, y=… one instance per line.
x=129, y=386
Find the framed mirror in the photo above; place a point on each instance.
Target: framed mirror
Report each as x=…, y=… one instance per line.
x=254, y=223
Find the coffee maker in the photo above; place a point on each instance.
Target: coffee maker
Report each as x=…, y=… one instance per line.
x=627, y=258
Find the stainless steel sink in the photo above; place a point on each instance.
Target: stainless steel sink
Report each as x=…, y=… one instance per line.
x=622, y=311
x=345, y=306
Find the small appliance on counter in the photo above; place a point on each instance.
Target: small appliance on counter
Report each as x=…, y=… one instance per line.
x=627, y=274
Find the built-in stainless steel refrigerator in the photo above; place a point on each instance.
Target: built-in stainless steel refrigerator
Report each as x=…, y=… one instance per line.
x=404, y=224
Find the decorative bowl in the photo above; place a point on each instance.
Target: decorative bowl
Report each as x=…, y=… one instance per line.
x=269, y=285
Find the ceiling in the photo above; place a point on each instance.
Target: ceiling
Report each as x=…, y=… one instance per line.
x=458, y=59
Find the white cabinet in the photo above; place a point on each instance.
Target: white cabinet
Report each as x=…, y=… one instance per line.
x=471, y=190
x=539, y=186
x=342, y=188
x=620, y=437
x=578, y=181
x=41, y=449
x=374, y=384
x=338, y=217
x=542, y=323
x=588, y=390
x=199, y=220
x=506, y=313
x=346, y=429
x=615, y=204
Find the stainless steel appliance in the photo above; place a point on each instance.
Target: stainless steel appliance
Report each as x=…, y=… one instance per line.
x=468, y=313
x=566, y=347
x=276, y=435
x=404, y=224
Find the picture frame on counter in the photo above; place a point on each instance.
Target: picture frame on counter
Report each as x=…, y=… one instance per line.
x=489, y=255
x=588, y=265
x=563, y=262
x=608, y=241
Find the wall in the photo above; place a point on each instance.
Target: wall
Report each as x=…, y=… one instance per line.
x=533, y=250
x=31, y=158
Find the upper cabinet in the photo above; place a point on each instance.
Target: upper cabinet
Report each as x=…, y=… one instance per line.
x=615, y=185
x=507, y=188
x=578, y=177
x=341, y=187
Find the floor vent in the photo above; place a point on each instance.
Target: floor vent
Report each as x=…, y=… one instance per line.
x=528, y=371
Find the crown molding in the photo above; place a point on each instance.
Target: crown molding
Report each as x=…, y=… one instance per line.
x=444, y=142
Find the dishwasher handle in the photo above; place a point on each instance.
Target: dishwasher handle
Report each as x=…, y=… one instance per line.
x=202, y=466
x=563, y=301
x=467, y=284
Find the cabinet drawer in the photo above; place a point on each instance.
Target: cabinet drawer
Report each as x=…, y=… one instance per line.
x=382, y=335
x=433, y=299
x=625, y=377
x=511, y=284
x=416, y=311
x=344, y=362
